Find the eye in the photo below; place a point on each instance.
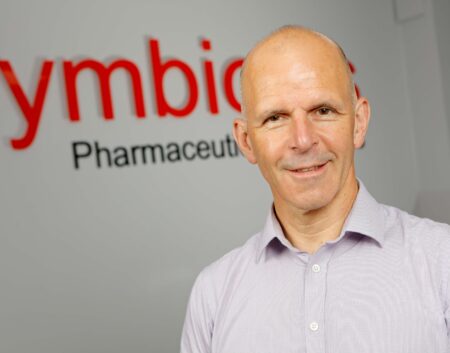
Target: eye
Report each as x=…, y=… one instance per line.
x=273, y=118
x=323, y=111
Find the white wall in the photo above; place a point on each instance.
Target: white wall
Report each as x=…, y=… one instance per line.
x=425, y=46
x=441, y=15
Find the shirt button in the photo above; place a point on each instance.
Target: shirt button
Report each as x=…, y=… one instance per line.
x=316, y=268
x=314, y=326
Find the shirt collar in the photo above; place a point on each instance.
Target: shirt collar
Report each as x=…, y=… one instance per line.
x=366, y=218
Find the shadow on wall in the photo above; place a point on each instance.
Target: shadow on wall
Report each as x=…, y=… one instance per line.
x=433, y=204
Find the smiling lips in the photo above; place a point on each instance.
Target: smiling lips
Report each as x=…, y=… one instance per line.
x=308, y=169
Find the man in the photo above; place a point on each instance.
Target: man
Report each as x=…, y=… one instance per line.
x=332, y=270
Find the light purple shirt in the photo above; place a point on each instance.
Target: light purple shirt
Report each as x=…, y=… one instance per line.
x=382, y=286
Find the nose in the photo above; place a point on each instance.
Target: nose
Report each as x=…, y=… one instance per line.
x=303, y=134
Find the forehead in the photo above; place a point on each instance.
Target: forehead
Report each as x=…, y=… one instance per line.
x=294, y=69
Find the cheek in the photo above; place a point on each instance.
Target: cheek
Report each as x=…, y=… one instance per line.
x=268, y=149
x=338, y=140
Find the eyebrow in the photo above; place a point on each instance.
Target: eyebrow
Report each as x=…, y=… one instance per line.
x=271, y=112
x=328, y=103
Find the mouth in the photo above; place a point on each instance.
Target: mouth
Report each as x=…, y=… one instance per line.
x=309, y=171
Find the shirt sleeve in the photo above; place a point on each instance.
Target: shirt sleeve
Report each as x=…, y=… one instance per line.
x=447, y=315
x=198, y=324
x=446, y=250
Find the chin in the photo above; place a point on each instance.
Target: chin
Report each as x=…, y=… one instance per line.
x=312, y=201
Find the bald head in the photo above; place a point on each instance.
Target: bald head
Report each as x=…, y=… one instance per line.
x=295, y=46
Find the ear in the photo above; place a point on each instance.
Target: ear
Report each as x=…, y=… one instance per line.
x=240, y=133
x=362, y=117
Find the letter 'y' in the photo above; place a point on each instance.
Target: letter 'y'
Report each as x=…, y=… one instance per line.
x=32, y=112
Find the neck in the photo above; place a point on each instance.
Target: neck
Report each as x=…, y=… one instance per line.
x=308, y=230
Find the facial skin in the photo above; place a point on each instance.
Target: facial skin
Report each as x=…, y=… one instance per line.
x=301, y=112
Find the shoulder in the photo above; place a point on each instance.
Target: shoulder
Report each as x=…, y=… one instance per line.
x=216, y=280
x=426, y=242
x=416, y=229
x=216, y=274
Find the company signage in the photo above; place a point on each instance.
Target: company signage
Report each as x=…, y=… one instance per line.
x=121, y=156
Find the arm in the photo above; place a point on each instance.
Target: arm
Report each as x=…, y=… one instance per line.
x=447, y=316
x=198, y=324
x=445, y=249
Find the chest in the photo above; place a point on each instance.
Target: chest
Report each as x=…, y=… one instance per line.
x=349, y=304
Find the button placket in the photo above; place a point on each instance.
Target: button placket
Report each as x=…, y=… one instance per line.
x=315, y=290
